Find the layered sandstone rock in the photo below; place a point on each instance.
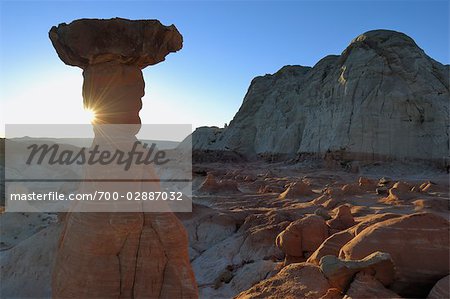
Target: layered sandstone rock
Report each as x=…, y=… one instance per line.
x=342, y=220
x=296, y=190
x=300, y=280
x=367, y=184
x=382, y=97
x=232, y=238
x=302, y=237
x=418, y=245
x=119, y=254
x=367, y=286
x=331, y=246
x=370, y=220
x=87, y=42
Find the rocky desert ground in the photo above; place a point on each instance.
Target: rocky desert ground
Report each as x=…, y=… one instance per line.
x=330, y=182
x=262, y=229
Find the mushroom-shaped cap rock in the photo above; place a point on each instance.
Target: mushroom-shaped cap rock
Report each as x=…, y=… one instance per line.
x=134, y=42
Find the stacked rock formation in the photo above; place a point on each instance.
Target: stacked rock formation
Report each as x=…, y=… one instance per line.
x=120, y=254
x=382, y=98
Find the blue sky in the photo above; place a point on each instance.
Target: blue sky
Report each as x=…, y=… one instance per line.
x=226, y=44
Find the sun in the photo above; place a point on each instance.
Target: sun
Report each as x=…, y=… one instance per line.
x=90, y=115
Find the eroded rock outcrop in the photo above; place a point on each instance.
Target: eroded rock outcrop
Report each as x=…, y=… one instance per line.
x=418, y=245
x=367, y=286
x=119, y=254
x=367, y=184
x=331, y=246
x=399, y=193
x=297, y=190
x=211, y=185
x=342, y=220
x=383, y=97
x=302, y=237
x=340, y=272
x=299, y=280
x=140, y=43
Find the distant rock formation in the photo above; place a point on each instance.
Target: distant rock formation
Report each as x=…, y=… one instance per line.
x=205, y=137
x=382, y=98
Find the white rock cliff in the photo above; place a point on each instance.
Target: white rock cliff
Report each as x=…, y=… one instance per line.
x=382, y=98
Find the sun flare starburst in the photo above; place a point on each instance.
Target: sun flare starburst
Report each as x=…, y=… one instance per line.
x=90, y=114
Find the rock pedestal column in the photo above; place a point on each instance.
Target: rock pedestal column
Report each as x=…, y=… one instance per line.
x=114, y=91
x=119, y=254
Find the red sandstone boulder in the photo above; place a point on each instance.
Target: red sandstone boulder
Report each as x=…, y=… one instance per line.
x=303, y=236
x=418, y=245
x=342, y=220
x=351, y=189
x=370, y=221
x=299, y=280
x=331, y=246
x=290, y=241
x=399, y=192
x=367, y=286
x=296, y=190
x=367, y=184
